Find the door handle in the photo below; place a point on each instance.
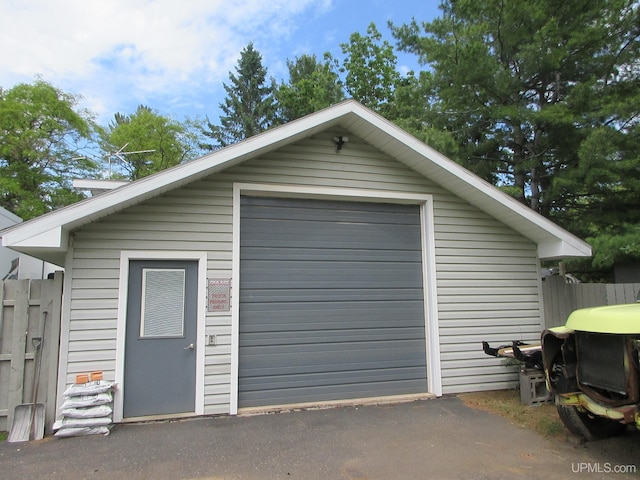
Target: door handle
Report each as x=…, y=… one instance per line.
x=191, y=346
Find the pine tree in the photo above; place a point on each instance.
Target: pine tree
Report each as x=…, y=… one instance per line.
x=542, y=98
x=525, y=85
x=249, y=107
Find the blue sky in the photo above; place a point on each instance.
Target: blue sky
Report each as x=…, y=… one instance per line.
x=174, y=55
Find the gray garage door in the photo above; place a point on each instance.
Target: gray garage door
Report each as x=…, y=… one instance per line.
x=331, y=301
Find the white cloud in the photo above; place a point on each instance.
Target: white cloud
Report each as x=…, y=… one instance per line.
x=144, y=48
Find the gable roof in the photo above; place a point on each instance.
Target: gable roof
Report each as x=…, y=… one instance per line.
x=47, y=236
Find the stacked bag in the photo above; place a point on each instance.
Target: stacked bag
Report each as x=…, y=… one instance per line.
x=87, y=407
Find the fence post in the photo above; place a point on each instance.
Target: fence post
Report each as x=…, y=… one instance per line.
x=52, y=304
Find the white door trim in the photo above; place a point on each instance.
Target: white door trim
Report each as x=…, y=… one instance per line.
x=431, y=322
x=125, y=257
x=425, y=201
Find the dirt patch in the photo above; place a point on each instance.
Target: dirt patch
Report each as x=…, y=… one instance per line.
x=542, y=418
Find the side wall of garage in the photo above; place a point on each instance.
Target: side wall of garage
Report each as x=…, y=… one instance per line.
x=487, y=275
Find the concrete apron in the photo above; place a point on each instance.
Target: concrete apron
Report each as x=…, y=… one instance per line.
x=352, y=402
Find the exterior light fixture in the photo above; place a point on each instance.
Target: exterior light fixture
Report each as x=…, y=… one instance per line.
x=339, y=141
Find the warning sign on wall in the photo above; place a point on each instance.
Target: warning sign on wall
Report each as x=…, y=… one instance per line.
x=219, y=295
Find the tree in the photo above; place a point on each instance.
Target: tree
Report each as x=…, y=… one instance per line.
x=371, y=69
x=512, y=80
x=411, y=110
x=249, y=107
x=41, y=132
x=161, y=141
x=312, y=86
x=372, y=78
x=542, y=99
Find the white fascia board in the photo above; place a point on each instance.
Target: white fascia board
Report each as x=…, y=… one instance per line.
x=562, y=249
x=97, y=184
x=56, y=238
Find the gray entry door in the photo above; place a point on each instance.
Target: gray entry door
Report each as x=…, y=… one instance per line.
x=331, y=301
x=160, y=355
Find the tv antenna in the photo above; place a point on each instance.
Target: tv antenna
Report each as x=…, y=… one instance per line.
x=120, y=155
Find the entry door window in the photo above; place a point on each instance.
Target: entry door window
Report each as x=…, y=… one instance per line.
x=162, y=309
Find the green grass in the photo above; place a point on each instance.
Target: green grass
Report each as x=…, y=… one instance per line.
x=542, y=419
x=3, y=436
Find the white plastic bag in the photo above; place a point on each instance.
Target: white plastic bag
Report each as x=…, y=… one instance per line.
x=87, y=412
x=81, y=422
x=81, y=389
x=87, y=400
x=80, y=431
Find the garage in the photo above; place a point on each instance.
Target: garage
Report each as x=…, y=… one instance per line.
x=331, y=301
x=320, y=270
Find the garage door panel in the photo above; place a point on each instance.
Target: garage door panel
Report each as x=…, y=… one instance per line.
x=321, y=254
x=293, y=381
x=343, y=275
x=330, y=392
x=272, y=364
x=273, y=377
x=327, y=211
x=323, y=210
x=269, y=295
x=331, y=301
x=323, y=336
x=324, y=281
x=353, y=308
x=265, y=361
x=333, y=269
x=318, y=223
x=332, y=317
x=297, y=330
x=311, y=234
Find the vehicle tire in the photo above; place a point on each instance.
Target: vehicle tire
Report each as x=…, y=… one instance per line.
x=587, y=425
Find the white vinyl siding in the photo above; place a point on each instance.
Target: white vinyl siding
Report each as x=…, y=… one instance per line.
x=488, y=286
x=487, y=275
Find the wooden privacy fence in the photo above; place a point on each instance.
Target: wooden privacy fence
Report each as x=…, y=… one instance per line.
x=561, y=298
x=26, y=307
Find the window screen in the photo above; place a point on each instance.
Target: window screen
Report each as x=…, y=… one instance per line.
x=162, y=302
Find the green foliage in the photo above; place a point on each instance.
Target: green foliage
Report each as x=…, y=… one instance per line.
x=312, y=86
x=41, y=132
x=411, y=110
x=543, y=99
x=521, y=84
x=249, y=107
x=615, y=245
x=161, y=141
x=371, y=72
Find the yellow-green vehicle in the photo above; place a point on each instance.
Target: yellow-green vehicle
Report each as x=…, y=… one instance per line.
x=592, y=369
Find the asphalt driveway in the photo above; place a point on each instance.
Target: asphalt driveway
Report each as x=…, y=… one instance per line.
x=439, y=438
